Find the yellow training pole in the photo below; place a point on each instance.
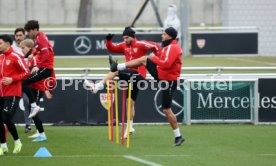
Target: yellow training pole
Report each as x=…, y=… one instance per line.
x=108, y=111
x=128, y=114
x=116, y=112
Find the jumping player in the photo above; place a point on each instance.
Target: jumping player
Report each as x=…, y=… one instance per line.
x=166, y=67
x=45, y=65
x=37, y=89
x=132, y=49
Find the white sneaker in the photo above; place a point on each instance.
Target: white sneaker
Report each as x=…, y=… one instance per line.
x=5, y=150
x=1, y=152
x=17, y=148
x=94, y=88
x=132, y=131
x=34, y=111
x=35, y=135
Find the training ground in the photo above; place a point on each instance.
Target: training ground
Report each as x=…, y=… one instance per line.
x=206, y=144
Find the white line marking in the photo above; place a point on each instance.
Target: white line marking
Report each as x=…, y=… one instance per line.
x=141, y=160
x=254, y=61
x=125, y=156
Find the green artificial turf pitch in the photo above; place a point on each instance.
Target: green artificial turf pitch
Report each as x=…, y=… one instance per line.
x=210, y=145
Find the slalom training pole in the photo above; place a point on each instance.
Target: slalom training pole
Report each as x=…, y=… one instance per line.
x=116, y=111
x=108, y=111
x=123, y=115
x=112, y=111
x=128, y=114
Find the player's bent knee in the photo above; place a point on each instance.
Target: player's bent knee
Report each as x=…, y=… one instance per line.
x=116, y=73
x=143, y=60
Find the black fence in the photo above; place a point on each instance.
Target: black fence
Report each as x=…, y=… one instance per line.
x=73, y=104
x=90, y=44
x=234, y=43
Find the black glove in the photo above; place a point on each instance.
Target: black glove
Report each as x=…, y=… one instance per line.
x=109, y=36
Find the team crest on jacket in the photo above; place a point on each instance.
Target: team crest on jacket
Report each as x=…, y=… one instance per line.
x=135, y=50
x=105, y=100
x=201, y=43
x=8, y=62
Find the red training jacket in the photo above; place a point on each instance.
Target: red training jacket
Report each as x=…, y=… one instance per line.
x=45, y=51
x=135, y=50
x=169, y=63
x=12, y=65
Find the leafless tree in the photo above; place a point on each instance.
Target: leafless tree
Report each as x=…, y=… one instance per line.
x=85, y=14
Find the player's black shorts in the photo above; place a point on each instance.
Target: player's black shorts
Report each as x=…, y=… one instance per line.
x=167, y=91
x=126, y=76
x=152, y=69
x=167, y=94
x=8, y=106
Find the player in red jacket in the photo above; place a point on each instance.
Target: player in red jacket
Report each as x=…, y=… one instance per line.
x=165, y=67
x=45, y=65
x=13, y=70
x=132, y=49
x=37, y=88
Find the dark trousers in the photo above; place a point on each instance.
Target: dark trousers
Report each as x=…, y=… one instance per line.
x=38, y=123
x=42, y=73
x=8, y=107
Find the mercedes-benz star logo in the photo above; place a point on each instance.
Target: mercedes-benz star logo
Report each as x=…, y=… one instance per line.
x=82, y=45
x=177, y=106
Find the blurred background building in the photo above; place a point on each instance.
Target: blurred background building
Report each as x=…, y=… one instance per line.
x=104, y=12
x=110, y=13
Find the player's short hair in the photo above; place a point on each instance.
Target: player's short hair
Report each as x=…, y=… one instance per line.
x=28, y=43
x=6, y=38
x=19, y=30
x=31, y=25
